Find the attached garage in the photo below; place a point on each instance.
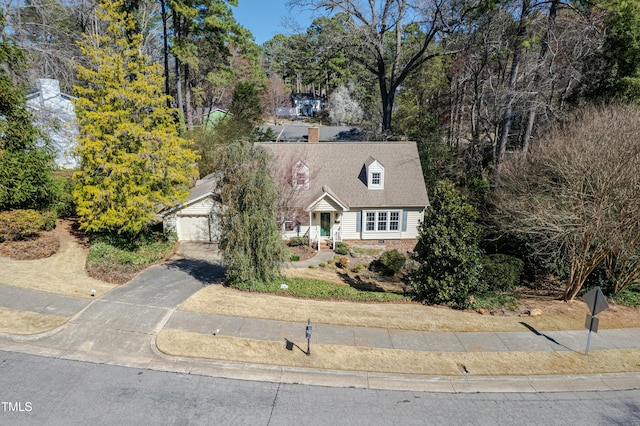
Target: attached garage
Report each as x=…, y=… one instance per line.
x=197, y=219
x=193, y=228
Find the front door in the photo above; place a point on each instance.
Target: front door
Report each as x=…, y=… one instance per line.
x=325, y=224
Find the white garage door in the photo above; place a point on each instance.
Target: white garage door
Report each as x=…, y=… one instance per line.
x=193, y=228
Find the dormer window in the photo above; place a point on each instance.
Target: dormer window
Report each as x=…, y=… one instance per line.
x=375, y=174
x=376, y=178
x=300, y=176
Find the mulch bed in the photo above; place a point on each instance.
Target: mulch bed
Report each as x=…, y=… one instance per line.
x=114, y=274
x=305, y=252
x=46, y=244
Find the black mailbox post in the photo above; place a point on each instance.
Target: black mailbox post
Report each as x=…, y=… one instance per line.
x=308, y=333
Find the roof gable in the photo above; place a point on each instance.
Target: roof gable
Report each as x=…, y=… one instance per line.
x=342, y=166
x=205, y=187
x=329, y=194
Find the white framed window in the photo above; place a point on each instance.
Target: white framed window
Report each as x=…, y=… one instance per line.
x=394, y=221
x=375, y=174
x=371, y=221
x=382, y=221
x=376, y=178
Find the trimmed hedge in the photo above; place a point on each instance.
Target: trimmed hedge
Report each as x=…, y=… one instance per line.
x=501, y=271
x=389, y=263
x=298, y=241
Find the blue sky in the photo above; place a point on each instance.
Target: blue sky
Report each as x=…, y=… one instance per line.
x=266, y=18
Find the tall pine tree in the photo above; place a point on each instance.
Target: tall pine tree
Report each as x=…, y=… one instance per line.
x=133, y=160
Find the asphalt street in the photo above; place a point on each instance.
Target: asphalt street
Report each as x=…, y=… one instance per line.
x=47, y=391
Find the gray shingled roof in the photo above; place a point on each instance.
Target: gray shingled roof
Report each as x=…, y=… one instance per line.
x=300, y=133
x=341, y=166
x=203, y=187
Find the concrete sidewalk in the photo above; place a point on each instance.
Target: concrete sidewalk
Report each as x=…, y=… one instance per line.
x=530, y=340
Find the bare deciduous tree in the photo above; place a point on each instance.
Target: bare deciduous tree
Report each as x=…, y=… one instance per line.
x=343, y=108
x=293, y=174
x=275, y=97
x=392, y=38
x=576, y=195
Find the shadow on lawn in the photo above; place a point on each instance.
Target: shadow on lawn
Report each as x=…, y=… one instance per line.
x=360, y=284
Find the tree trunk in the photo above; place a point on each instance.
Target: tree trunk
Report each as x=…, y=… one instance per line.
x=537, y=79
x=387, y=107
x=386, y=96
x=507, y=116
x=165, y=52
x=178, y=65
x=188, y=103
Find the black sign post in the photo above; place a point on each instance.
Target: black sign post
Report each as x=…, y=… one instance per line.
x=597, y=303
x=308, y=333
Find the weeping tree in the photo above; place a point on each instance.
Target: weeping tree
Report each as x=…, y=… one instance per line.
x=251, y=245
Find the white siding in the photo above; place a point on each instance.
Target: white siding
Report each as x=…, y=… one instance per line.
x=414, y=218
x=196, y=222
x=290, y=234
x=326, y=205
x=200, y=208
x=381, y=235
x=349, y=226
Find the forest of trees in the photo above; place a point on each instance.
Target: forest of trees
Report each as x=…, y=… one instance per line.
x=492, y=92
x=485, y=76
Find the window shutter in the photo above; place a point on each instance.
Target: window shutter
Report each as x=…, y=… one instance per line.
x=404, y=220
x=359, y=221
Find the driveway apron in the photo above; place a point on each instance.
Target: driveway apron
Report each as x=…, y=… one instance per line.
x=124, y=321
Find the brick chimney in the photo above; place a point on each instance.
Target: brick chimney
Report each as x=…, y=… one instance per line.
x=314, y=134
x=49, y=88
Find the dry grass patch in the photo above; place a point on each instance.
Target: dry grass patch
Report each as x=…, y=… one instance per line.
x=403, y=316
x=26, y=322
x=316, y=273
x=63, y=273
x=351, y=358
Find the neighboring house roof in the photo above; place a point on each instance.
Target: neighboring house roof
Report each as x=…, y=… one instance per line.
x=205, y=187
x=342, y=166
x=209, y=120
x=54, y=114
x=300, y=133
